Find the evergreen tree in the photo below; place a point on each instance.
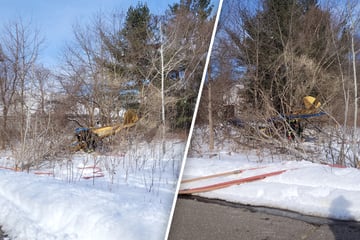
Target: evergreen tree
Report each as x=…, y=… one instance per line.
x=196, y=37
x=277, y=41
x=136, y=30
x=130, y=46
x=200, y=8
x=137, y=34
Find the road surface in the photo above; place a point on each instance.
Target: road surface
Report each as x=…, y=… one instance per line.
x=196, y=219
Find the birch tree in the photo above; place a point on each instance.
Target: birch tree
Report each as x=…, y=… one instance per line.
x=354, y=21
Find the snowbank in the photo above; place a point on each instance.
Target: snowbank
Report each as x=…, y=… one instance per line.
x=35, y=207
x=308, y=188
x=92, y=196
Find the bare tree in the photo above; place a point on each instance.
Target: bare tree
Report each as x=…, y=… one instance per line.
x=93, y=86
x=211, y=120
x=39, y=87
x=20, y=48
x=354, y=27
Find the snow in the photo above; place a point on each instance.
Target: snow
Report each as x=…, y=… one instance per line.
x=92, y=196
x=129, y=195
x=305, y=187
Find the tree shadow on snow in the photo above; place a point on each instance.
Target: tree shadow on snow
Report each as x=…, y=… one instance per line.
x=343, y=229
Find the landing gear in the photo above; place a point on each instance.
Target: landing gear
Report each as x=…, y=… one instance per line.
x=294, y=129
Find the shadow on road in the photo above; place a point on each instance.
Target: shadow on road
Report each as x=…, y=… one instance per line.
x=2, y=234
x=343, y=230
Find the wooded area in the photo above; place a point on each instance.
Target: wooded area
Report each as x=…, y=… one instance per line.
x=269, y=55
x=150, y=63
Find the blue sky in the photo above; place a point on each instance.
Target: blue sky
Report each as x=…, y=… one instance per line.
x=55, y=18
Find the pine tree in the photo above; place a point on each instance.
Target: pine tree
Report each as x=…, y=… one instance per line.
x=284, y=45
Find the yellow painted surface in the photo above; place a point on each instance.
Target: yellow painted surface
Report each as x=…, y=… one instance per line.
x=310, y=102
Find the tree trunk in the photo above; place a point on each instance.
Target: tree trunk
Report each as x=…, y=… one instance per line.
x=354, y=137
x=162, y=93
x=211, y=123
x=4, y=128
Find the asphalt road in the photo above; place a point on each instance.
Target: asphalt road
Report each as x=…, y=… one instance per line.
x=194, y=219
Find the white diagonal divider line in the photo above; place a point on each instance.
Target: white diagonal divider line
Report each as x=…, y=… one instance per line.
x=194, y=117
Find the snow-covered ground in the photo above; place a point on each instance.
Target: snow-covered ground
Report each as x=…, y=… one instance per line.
x=89, y=196
x=306, y=187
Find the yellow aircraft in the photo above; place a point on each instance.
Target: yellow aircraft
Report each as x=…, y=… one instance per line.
x=88, y=139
